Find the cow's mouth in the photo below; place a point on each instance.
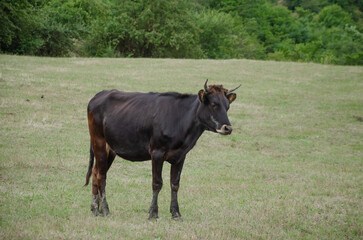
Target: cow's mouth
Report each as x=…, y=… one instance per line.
x=224, y=130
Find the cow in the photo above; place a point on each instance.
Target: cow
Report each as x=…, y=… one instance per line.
x=151, y=126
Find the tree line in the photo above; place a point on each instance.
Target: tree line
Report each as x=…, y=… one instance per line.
x=322, y=31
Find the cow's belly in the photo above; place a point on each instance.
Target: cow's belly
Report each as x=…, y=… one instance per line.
x=136, y=150
x=133, y=156
x=130, y=152
x=128, y=144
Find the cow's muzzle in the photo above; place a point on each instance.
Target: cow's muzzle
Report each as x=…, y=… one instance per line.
x=225, y=130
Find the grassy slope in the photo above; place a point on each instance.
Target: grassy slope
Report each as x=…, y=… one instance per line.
x=291, y=169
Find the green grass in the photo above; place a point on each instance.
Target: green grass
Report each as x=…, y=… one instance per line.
x=292, y=168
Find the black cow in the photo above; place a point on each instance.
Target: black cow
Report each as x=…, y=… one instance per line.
x=157, y=126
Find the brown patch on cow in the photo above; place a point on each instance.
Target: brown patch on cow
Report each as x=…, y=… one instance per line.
x=101, y=152
x=217, y=89
x=90, y=125
x=90, y=119
x=93, y=129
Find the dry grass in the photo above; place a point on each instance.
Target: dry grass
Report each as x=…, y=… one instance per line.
x=292, y=169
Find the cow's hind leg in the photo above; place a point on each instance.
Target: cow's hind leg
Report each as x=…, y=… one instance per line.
x=104, y=158
x=95, y=196
x=103, y=205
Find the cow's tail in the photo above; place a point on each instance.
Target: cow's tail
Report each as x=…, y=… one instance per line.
x=90, y=166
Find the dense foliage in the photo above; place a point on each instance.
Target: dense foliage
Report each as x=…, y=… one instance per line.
x=324, y=31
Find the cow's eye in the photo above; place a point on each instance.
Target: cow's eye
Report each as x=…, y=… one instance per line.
x=214, y=106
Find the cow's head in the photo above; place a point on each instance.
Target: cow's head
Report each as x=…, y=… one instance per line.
x=215, y=101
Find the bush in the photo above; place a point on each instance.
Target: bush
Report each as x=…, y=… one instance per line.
x=159, y=28
x=333, y=16
x=63, y=23
x=18, y=25
x=224, y=36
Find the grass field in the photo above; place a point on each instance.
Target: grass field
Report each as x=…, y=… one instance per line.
x=292, y=168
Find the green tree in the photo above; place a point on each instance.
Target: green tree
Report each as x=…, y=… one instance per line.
x=18, y=25
x=327, y=31
x=157, y=28
x=224, y=36
x=65, y=23
x=334, y=15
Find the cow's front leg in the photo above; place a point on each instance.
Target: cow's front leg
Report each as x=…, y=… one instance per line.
x=175, y=172
x=157, y=159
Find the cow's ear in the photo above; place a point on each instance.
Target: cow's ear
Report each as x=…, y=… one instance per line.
x=231, y=97
x=201, y=94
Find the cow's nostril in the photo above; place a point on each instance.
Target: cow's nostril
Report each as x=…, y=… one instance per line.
x=225, y=130
x=228, y=129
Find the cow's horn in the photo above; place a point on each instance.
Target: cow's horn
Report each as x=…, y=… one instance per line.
x=231, y=90
x=205, y=86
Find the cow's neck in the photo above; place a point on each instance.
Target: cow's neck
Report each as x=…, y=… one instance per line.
x=196, y=127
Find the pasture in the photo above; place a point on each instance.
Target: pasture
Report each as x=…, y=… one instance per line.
x=292, y=168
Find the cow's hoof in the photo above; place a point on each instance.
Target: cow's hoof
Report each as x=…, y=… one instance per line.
x=179, y=219
x=153, y=213
x=95, y=205
x=104, y=210
x=95, y=211
x=105, y=213
x=153, y=216
x=176, y=216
